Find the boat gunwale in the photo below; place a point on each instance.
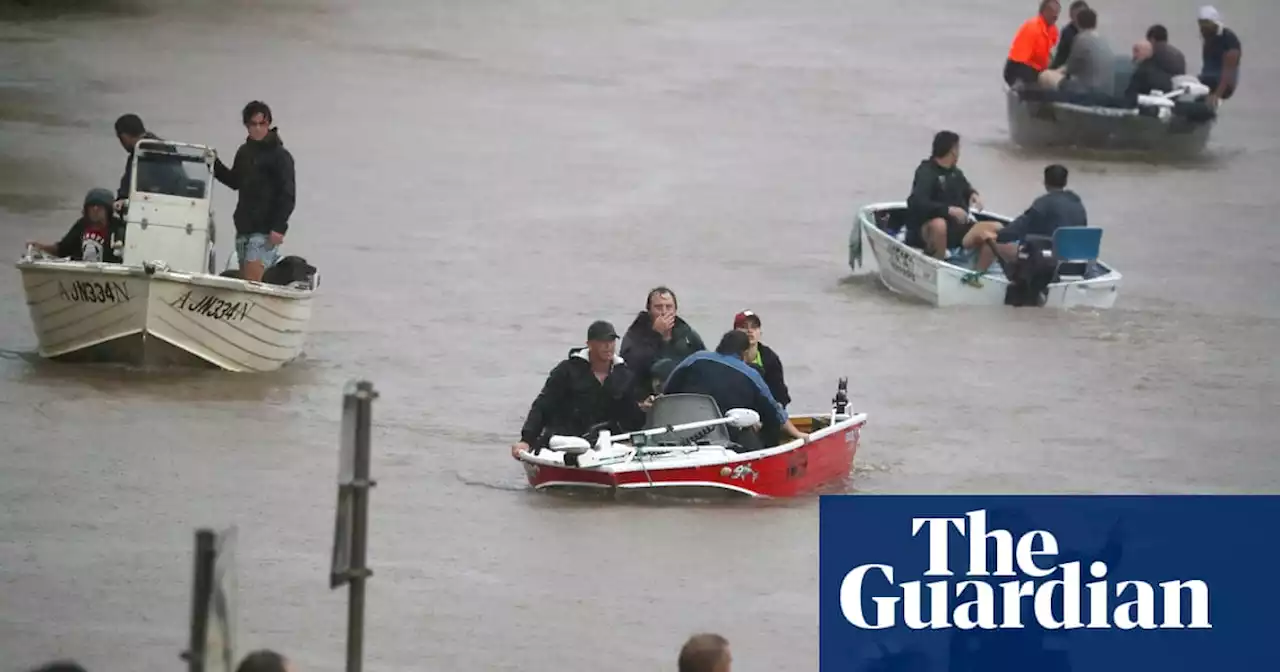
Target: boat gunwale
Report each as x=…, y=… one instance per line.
x=164, y=275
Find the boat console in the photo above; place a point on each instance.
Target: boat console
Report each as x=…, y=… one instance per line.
x=169, y=216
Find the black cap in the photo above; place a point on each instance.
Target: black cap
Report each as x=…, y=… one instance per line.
x=601, y=331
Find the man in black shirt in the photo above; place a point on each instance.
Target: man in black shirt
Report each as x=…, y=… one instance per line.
x=1068, y=35
x=1220, y=70
x=941, y=196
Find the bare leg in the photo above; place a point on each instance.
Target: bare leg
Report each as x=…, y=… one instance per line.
x=252, y=270
x=975, y=234
x=935, y=237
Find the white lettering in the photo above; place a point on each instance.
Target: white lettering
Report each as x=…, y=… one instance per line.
x=983, y=603
x=1027, y=552
x=911, y=604
x=1070, y=585
x=851, y=599
x=1098, y=596
x=1173, y=604
x=978, y=536
x=1145, y=603
x=938, y=565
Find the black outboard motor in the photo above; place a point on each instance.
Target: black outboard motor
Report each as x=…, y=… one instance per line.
x=841, y=400
x=1031, y=273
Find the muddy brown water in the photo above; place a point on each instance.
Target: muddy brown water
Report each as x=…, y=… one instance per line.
x=478, y=181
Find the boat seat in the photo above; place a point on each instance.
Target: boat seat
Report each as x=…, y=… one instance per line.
x=678, y=409
x=1075, y=250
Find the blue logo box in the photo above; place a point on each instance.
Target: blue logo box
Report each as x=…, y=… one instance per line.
x=1085, y=583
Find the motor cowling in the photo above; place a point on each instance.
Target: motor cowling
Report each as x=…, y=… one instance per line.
x=1031, y=272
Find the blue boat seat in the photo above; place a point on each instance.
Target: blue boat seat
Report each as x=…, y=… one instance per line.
x=1075, y=249
x=679, y=409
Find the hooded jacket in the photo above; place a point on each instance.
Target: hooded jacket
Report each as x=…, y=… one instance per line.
x=262, y=172
x=86, y=241
x=934, y=189
x=1047, y=214
x=572, y=400
x=642, y=346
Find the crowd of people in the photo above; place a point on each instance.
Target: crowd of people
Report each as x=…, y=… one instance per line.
x=262, y=172
x=603, y=385
x=1085, y=63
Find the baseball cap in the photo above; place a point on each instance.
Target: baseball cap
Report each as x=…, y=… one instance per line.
x=601, y=331
x=742, y=318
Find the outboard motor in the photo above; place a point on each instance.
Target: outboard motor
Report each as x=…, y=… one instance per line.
x=1032, y=272
x=841, y=400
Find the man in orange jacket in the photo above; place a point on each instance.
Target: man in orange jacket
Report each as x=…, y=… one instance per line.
x=1033, y=45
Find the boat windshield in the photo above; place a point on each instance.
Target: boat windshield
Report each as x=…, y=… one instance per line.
x=175, y=171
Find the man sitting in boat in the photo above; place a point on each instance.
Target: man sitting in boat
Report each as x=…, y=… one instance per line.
x=592, y=385
x=1221, y=56
x=1068, y=35
x=1032, y=46
x=725, y=376
x=658, y=333
x=761, y=357
x=1147, y=74
x=937, y=209
x=95, y=236
x=1167, y=57
x=1091, y=67
x=1056, y=208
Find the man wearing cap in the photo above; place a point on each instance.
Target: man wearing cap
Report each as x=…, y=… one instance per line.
x=592, y=385
x=95, y=236
x=761, y=357
x=1220, y=68
x=725, y=376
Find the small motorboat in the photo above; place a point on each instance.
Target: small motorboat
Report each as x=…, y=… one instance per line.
x=685, y=450
x=1177, y=122
x=1078, y=277
x=166, y=304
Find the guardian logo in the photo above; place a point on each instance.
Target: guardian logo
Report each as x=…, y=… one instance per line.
x=1047, y=583
x=968, y=604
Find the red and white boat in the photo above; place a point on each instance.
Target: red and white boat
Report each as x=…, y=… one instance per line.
x=685, y=450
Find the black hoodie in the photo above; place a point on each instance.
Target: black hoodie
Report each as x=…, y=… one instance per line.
x=642, y=346
x=263, y=174
x=1053, y=210
x=573, y=399
x=935, y=189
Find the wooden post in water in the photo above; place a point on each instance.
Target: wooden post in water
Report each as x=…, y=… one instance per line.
x=350, y=532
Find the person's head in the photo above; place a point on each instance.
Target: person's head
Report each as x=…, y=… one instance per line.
x=264, y=660
x=1210, y=21
x=1157, y=34
x=97, y=203
x=706, y=652
x=1142, y=50
x=734, y=343
x=1087, y=19
x=1074, y=10
x=257, y=119
x=1050, y=10
x=1055, y=177
x=661, y=301
x=946, y=148
x=660, y=372
x=602, y=342
x=748, y=323
x=129, y=130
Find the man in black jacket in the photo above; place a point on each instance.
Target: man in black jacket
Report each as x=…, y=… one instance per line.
x=761, y=357
x=1068, y=35
x=262, y=172
x=937, y=209
x=1056, y=208
x=592, y=385
x=658, y=333
x=94, y=236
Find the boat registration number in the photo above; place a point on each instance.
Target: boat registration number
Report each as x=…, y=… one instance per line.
x=902, y=262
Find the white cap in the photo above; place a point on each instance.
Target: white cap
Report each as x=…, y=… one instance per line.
x=1208, y=13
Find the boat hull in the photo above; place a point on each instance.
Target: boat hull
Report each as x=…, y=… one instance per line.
x=132, y=315
x=907, y=270
x=1035, y=124
x=790, y=470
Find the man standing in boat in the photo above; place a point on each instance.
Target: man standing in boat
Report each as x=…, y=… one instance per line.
x=938, y=207
x=658, y=333
x=725, y=376
x=761, y=357
x=1220, y=69
x=262, y=172
x=94, y=236
x=592, y=385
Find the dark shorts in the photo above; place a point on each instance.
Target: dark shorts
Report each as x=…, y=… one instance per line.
x=1211, y=81
x=1020, y=72
x=956, y=231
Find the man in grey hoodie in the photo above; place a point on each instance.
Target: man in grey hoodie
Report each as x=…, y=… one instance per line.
x=1056, y=208
x=1091, y=67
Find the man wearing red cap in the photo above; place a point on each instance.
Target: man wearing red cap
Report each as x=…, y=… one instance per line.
x=761, y=357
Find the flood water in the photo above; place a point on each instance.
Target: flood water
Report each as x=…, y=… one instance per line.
x=478, y=180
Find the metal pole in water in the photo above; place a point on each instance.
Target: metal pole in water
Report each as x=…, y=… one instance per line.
x=364, y=394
